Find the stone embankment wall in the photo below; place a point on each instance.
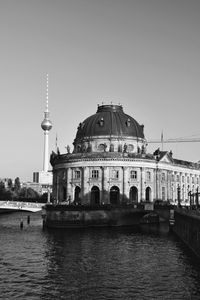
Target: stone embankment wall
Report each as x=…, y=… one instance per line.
x=63, y=216
x=187, y=228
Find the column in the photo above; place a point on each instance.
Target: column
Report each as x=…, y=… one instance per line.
x=125, y=197
x=142, y=185
x=69, y=185
x=84, y=186
x=105, y=194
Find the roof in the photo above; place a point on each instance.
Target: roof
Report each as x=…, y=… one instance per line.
x=110, y=120
x=166, y=156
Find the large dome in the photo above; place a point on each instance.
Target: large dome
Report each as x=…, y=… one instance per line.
x=110, y=120
x=110, y=129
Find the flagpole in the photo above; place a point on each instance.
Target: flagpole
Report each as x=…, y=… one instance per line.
x=162, y=139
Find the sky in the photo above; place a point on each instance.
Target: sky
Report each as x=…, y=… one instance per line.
x=143, y=54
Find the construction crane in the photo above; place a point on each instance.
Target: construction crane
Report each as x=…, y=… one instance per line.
x=175, y=140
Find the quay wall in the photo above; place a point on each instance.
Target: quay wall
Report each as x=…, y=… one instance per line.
x=65, y=216
x=187, y=228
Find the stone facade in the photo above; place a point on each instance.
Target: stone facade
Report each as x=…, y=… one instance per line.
x=112, y=166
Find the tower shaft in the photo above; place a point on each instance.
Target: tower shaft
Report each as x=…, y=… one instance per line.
x=46, y=151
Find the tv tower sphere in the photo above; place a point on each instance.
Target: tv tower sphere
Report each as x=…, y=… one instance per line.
x=46, y=124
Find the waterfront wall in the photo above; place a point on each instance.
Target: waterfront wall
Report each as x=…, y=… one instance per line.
x=79, y=216
x=187, y=228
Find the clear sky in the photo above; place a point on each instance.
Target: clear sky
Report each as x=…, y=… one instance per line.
x=144, y=54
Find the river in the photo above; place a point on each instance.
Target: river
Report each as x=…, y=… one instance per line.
x=93, y=264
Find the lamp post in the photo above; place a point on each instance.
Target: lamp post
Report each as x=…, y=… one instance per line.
x=197, y=198
x=157, y=158
x=190, y=197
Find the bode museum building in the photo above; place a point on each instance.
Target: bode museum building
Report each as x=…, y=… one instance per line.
x=110, y=165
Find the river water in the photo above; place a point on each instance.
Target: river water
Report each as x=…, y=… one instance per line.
x=93, y=264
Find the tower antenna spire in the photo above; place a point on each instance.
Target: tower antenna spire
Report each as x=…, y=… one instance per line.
x=47, y=92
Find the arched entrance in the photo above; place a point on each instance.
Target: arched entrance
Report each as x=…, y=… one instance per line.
x=148, y=194
x=95, y=195
x=77, y=198
x=114, y=195
x=133, y=194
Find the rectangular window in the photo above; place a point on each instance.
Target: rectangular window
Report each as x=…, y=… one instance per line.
x=197, y=180
x=188, y=179
x=192, y=179
x=77, y=174
x=177, y=177
x=115, y=174
x=163, y=193
x=95, y=173
x=133, y=174
x=163, y=176
x=183, y=178
x=148, y=175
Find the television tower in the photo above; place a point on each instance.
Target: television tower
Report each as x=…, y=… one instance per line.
x=46, y=126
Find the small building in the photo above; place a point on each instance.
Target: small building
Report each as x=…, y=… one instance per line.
x=110, y=164
x=43, y=180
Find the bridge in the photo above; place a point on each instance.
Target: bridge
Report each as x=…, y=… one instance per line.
x=8, y=206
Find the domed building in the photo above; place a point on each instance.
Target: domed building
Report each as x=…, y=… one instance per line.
x=110, y=165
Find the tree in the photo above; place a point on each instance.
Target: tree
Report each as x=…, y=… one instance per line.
x=4, y=194
x=17, y=185
x=28, y=193
x=10, y=184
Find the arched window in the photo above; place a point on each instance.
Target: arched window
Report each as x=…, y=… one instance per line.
x=95, y=195
x=114, y=195
x=148, y=194
x=133, y=194
x=77, y=193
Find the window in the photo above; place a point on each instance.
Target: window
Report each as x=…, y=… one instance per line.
x=197, y=180
x=163, y=193
x=192, y=179
x=102, y=147
x=101, y=122
x=95, y=173
x=163, y=176
x=183, y=178
x=130, y=148
x=133, y=174
x=177, y=177
x=172, y=177
x=115, y=174
x=188, y=179
x=148, y=175
x=77, y=174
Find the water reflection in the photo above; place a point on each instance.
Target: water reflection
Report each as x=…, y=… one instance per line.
x=118, y=264
x=109, y=263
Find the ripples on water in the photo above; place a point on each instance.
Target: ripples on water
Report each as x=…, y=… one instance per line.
x=93, y=263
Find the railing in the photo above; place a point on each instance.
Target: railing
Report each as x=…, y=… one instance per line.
x=189, y=211
x=16, y=205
